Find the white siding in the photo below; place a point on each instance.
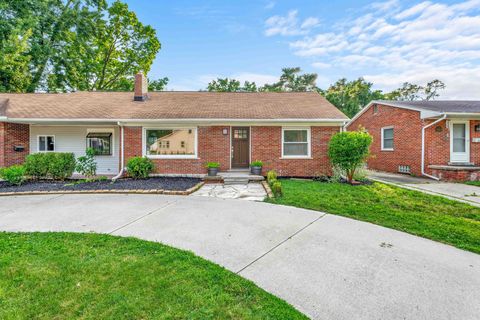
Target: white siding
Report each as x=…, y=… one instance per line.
x=73, y=139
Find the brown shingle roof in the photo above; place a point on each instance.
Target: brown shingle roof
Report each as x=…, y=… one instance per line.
x=170, y=105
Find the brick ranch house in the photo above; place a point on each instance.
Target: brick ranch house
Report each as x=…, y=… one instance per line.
x=437, y=139
x=179, y=131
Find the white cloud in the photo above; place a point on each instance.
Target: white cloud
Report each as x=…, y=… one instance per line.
x=270, y=5
x=390, y=43
x=289, y=25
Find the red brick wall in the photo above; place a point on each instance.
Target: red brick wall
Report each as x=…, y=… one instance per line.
x=265, y=146
x=213, y=145
x=407, y=137
x=13, y=134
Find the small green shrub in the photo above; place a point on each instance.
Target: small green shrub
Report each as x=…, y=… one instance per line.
x=86, y=165
x=55, y=165
x=62, y=165
x=271, y=175
x=14, y=174
x=209, y=165
x=349, y=150
x=256, y=163
x=36, y=165
x=140, y=167
x=277, y=188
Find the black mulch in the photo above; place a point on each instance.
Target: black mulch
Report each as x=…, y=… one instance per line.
x=165, y=183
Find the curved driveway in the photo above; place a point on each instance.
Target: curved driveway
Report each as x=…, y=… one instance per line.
x=327, y=266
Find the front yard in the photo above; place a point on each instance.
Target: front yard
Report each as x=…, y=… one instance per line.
x=428, y=216
x=88, y=276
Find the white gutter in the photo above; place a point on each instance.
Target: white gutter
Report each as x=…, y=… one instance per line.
x=423, y=146
x=122, y=152
x=201, y=120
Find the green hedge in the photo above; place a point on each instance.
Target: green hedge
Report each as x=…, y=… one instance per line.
x=140, y=167
x=55, y=165
x=14, y=174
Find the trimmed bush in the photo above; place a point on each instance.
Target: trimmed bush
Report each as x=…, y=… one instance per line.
x=271, y=175
x=277, y=188
x=256, y=163
x=55, y=165
x=86, y=165
x=14, y=174
x=140, y=167
x=349, y=150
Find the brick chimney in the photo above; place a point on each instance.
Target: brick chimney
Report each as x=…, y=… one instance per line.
x=141, y=87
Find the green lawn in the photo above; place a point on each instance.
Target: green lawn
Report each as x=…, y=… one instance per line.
x=473, y=183
x=414, y=212
x=89, y=276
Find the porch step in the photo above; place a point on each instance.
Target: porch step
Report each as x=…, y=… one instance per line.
x=235, y=180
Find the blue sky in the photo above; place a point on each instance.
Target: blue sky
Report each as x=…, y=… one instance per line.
x=387, y=42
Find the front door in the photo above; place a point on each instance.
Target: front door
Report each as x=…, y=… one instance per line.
x=240, y=147
x=459, y=142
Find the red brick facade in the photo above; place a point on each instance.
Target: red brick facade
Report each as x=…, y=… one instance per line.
x=407, y=126
x=265, y=145
x=11, y=135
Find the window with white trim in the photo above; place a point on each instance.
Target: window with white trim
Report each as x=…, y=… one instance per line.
x=170, y=143
x=296, y=142
x=387, y=138
x=46, y=143
x=100, y=142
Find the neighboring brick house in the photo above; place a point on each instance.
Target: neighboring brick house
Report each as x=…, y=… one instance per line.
x=437, y=139
x=180, y=131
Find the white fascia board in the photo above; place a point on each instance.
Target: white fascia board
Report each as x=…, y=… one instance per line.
x=430, y=114
x=190, y=121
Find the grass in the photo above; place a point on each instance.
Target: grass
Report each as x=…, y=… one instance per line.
x=428, y=216
x=473, y=183
x=91, y=276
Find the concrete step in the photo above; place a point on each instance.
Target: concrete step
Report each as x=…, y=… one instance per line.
x=229, y=181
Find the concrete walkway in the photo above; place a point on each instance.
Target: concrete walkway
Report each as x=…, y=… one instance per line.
x=327, y=266
x=455, y=191
x=252, y=191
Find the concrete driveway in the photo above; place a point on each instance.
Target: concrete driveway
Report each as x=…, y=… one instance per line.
x=327, y=266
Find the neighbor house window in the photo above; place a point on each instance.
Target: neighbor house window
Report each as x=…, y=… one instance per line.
x=46, y=143
x=296, y=143
x=170, y=143
x=387, y=138
x=100, y=142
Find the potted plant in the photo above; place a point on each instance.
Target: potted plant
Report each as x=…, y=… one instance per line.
x=212, y=168
x=256, y=167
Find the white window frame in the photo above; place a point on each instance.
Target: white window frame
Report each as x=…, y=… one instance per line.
x=103, y=130
x=309, y=143
x=169, y=156
x=382, y=135
x=45, y=136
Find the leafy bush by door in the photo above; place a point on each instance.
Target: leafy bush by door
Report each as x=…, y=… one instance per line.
x=140, y=167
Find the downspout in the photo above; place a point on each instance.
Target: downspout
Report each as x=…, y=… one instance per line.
x=122, y=152
x=423, y=146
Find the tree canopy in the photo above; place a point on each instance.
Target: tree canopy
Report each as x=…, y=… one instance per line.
x=62, y=45
x=231, y=85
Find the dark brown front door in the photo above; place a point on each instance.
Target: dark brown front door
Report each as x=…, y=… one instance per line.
x=240, y=147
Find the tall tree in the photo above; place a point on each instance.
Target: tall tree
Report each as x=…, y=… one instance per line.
x=351, y=96
x=14, y=72
x=410, y=91
x=78, y=44
x=292, y=80
x=231, y=85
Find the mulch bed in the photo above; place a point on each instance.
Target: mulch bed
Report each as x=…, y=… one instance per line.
x=164, y=183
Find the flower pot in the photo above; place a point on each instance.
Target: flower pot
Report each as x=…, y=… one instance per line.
x=256, y=171
x=212, y=172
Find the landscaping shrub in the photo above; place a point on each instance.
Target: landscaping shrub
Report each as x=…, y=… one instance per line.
x=140, y=167
x=56, y=165
x=61, y=165
x=349, y=150
x=86, y=165
x=14, y=174
x=277, y=188
x=271, y=175
x=36, y=165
